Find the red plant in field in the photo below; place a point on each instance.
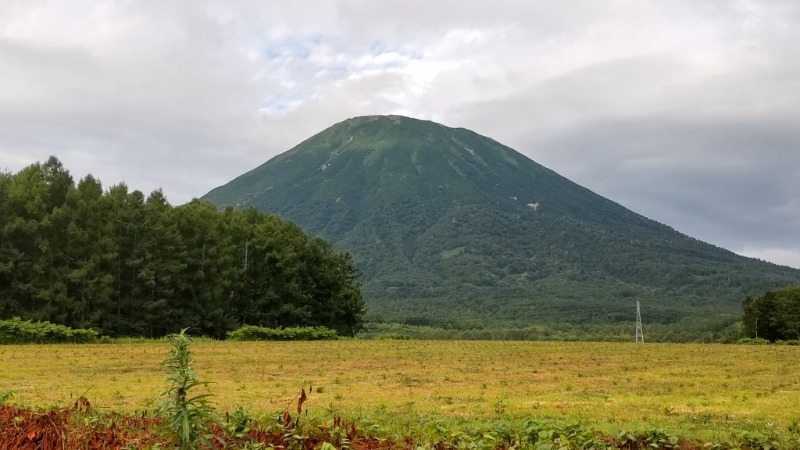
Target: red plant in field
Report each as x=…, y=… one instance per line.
x=22, y=428
x=65, y=429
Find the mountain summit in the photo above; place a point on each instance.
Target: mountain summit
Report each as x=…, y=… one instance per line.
x=448, y=226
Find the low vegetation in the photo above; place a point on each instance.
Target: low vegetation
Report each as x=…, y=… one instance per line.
x=18, y=331
x=79, y=427
x=254, y=333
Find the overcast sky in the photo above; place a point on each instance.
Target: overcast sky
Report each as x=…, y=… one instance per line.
x=685, y=111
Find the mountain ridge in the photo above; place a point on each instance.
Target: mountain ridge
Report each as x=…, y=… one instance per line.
x=447, y=224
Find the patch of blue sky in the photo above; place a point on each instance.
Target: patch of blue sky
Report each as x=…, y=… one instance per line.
x=388, y=61
x=282, y=104
x=289, y=47
x=378, y=48
x=344, y=66
x=334, y=72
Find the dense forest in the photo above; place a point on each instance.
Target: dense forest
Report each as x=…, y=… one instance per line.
x=774, y=316
x=129, y=265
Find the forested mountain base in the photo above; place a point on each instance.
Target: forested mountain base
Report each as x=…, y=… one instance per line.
x=725, y=330
x=129, y=265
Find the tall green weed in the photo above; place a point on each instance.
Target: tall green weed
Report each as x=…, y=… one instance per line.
x=187, y=415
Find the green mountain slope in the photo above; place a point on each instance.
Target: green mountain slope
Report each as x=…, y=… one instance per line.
x=448, y=226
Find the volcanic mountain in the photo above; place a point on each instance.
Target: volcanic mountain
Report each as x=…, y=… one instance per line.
x=449, y=226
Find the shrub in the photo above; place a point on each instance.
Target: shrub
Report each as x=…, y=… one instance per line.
x=752, y=341
x=18, y=331
x=254, y=333
x=393, y=336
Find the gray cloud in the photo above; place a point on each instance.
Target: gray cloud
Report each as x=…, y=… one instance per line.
x=732, y=184
x=683, y=111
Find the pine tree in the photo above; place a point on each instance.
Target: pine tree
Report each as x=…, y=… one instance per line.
x=92, y=254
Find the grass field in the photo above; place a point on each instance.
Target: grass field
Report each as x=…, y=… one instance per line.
x=694, y=389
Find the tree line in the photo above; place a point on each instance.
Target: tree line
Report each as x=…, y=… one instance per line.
x=129, y=265
x=774, y=316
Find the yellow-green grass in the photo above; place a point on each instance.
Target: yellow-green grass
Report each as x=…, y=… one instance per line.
x=612, y=386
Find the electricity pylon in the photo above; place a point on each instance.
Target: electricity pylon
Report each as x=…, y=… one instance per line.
x=639, y=333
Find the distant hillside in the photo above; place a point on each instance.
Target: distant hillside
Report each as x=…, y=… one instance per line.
x=448, y=226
